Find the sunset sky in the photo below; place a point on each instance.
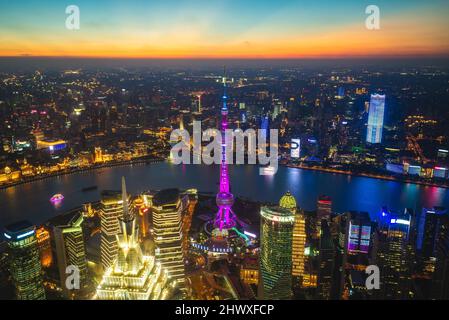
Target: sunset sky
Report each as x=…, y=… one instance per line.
x=224, y=28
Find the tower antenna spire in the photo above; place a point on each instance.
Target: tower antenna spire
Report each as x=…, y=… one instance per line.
x=125, y=200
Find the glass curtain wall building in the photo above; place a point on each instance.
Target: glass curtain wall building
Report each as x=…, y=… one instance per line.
x=276, y=232
x=375, y=119
x=24, y=261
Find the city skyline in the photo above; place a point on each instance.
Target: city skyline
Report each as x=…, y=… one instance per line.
x=166, y=240
x=272, y=150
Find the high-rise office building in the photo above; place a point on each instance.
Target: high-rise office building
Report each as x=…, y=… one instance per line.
x=440, y=283
x=70, y=250
x=393, y=257
x=324, y=211
x=44, y=244
x=167, y=225
x=24, y=262
x=429, y=227
x=375, y=119
x=326, y=262
x=265, y=126
x=133, y=275
x=359, y=233
x=276, y=233
x=299, y=247
x=111, y=207
x=354, y=245
x=299, y=236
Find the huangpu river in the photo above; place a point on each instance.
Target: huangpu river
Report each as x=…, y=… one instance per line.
x=31, y=200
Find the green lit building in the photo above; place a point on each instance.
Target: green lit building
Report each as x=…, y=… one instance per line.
x=24, y=261
x=276, y=236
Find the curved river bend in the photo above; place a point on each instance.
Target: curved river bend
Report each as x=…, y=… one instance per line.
x=31, y=200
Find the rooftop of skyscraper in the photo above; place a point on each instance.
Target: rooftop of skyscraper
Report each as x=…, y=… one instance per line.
x=111, y=195
x=65, y=219
x=167, y=196
x=19, y=226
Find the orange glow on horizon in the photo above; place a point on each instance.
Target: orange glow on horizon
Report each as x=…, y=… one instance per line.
x=397, y=37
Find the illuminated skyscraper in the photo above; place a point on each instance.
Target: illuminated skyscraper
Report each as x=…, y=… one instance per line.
x=354, y=246
x=167, y=224
x=393, y=258
x=111, y=209
x=44, y=244
x=24, y=262
x=299, y=235
x=276, y=233
x=70, y=250
x=428, y=229
x=324, y=211
x=359, y=233
x=375, y=119
x=225, y=218
x=326, y=262
x=441, y=275
x=264, y=125
x=133, y=275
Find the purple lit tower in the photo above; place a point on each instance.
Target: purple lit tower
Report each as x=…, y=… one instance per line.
x=225, y=218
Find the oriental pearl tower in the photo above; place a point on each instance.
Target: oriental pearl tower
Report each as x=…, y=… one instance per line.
x=225, y=218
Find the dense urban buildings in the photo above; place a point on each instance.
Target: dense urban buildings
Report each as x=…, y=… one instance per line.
x=272, y=150
x=363, y=170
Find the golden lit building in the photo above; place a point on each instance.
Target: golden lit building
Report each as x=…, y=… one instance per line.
x=140, y=149
x=88, y=211
x=249, y=271
x=310, y=280
x=26, y=169
x=98, y=155
x=133, y=275
x=44, y=245
x=51, y=145
x=167, y=224
x=299, y=245
x=111, y=208
x=9, y=175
